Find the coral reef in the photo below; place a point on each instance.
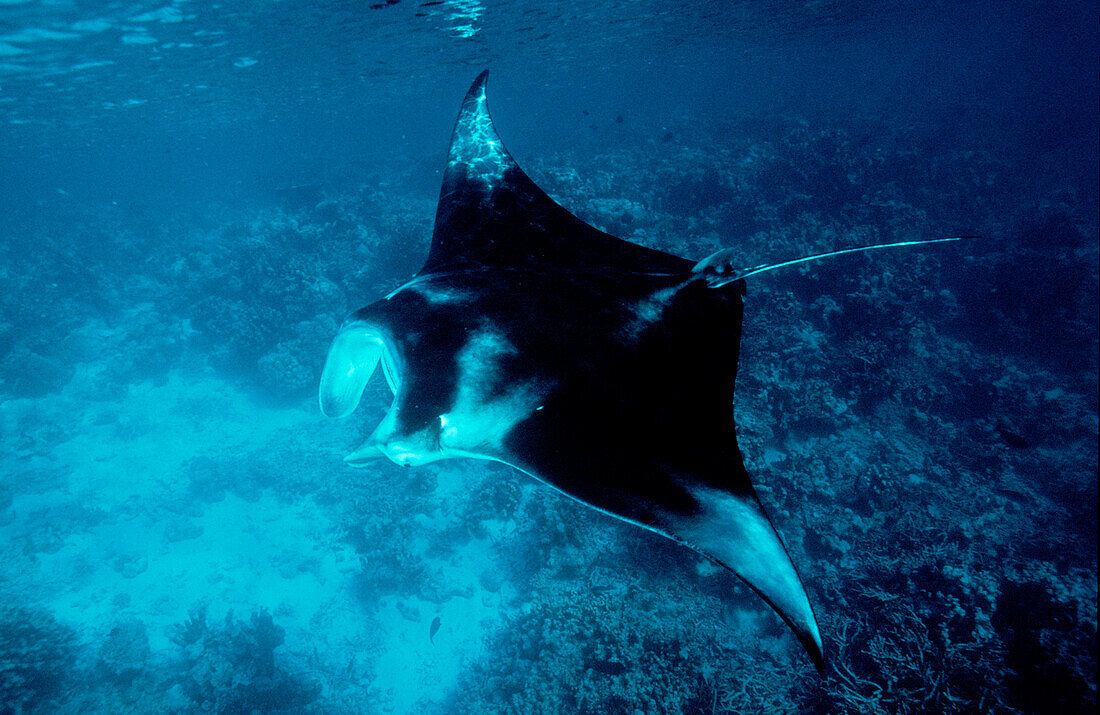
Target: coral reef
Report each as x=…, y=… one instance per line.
x=231, y=667
x=36, y=655
x=124, y=653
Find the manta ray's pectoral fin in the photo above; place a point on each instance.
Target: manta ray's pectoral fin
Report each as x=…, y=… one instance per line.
x=491, y=214
x=734, y=531
x=698, y=497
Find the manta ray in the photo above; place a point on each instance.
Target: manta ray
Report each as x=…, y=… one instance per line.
x=600, y=367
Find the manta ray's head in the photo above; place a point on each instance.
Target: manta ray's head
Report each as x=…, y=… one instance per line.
x=446, y=374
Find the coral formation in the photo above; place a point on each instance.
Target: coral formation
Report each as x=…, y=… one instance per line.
x=36, y=654
x=231, y=667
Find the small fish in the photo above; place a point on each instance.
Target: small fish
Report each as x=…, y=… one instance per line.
x=1013, y=439
x=605, y=667
x=433, y=629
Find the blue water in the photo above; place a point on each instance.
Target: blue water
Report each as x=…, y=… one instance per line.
x=193, y=195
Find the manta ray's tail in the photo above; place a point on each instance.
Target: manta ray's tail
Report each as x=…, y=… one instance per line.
x=718, y=269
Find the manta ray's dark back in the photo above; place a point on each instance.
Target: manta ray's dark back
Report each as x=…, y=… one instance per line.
x=491, y=213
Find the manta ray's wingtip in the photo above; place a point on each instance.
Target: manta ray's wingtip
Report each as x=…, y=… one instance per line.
x=734, y=531
x=817, y=654
x=810, y=638
x=803, y=624
x=476, y=92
